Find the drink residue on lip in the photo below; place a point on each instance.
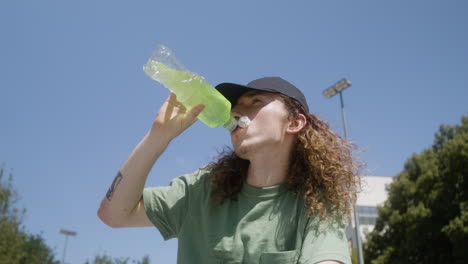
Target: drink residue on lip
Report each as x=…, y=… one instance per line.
x=244, y=121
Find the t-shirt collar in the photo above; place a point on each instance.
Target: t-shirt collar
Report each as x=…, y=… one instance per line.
x=263, y=192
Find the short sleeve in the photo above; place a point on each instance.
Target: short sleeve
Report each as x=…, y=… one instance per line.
x=167, y=206
x=325, y=241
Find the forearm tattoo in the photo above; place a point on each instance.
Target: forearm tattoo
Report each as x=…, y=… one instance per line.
x=116, y=182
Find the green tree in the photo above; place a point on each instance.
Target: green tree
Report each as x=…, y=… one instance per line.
x=354, y=256
x=11, y=238
x=36, y=251
x=16, y=246
x=104, y=259
x=425, y=218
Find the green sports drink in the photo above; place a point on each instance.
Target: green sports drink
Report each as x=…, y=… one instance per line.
x=191, y=89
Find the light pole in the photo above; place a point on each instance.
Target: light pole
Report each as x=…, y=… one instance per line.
x=67, y=233
x=330, y=92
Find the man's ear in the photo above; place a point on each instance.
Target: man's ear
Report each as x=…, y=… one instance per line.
x=296, y=124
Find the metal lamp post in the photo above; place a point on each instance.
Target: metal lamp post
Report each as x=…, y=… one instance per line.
x=67, y=233
x=330, y=92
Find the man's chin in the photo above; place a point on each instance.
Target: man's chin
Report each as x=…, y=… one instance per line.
x=241, y=152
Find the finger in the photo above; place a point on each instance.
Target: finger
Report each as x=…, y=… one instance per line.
x=172, y=100
x=194, y=112
x=169, y=108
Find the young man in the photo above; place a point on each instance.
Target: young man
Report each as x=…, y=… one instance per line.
x=281, y=196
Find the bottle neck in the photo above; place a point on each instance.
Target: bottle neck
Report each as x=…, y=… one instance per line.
x=231, y=124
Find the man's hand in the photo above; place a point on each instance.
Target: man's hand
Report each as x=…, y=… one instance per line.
x=173, y=118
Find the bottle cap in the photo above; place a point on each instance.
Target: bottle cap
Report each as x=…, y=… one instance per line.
x=244, y=121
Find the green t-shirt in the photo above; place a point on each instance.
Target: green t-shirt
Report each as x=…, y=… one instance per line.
x=264, y=225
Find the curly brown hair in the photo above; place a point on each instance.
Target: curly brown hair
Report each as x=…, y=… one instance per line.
x=323, y=169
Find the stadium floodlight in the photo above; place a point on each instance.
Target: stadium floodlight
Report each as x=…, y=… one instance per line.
x=330, y=92
x=336, y=88
x=67, y=233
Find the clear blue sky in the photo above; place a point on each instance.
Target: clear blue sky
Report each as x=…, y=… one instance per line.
x=75, y=101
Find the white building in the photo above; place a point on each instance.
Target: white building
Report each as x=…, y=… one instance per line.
x=373, y=194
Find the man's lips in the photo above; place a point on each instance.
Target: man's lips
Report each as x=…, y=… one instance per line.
x=235, y=130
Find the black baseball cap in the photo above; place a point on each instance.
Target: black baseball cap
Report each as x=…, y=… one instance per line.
x=233, y=91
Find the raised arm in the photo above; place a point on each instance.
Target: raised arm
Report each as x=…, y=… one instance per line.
x=122, y=205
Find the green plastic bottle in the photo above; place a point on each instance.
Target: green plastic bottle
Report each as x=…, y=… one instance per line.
x=191, y=89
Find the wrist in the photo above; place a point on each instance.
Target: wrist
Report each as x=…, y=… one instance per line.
x=156, y=135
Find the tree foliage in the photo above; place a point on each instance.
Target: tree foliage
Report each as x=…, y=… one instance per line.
x=425, y=218
x=104, y=259
x=16, y=246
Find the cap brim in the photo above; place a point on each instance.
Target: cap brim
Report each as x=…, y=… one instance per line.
x=233, y=91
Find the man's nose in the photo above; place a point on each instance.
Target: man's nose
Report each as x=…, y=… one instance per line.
x=236, y=114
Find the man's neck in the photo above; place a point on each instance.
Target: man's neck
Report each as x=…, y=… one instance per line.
x=268, y=169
